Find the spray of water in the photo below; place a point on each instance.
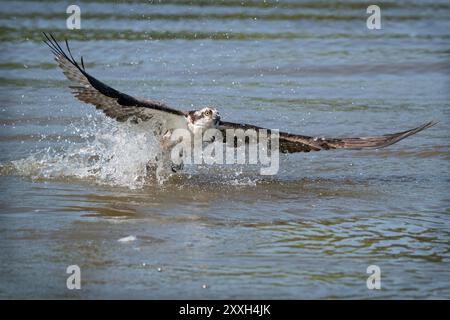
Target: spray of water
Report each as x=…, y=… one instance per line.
x=117, y=154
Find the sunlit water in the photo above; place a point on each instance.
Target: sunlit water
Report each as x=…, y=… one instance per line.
x=73, y=185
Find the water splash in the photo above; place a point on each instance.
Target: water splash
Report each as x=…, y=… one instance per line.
x=117, y=154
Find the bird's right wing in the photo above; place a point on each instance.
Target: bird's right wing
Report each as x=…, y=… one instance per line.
x=113, y=103
x=292, y=143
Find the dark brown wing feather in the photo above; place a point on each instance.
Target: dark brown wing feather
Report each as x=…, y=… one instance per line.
x=291, y=143
x=113, y=103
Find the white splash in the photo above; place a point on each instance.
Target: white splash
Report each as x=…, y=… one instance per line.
x=127, y=239
x=116, y=154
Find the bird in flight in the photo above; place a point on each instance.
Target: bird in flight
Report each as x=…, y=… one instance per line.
x=165, y=119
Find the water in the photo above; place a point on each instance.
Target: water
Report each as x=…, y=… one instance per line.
x=72, y=189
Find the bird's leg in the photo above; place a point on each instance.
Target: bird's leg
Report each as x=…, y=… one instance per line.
x=166, y=141
x=164, y=160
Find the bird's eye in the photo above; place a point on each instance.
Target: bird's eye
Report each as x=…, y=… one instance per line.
x=208, y=112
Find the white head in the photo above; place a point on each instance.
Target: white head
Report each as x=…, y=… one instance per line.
x=205, y=118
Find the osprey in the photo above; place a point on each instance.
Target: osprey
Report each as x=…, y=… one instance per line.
x=164, y=119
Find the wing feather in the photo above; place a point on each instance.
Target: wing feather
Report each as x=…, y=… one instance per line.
x=292, y=143
x=113, y=103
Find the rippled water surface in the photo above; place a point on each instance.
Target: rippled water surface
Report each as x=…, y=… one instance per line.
x=72, y=181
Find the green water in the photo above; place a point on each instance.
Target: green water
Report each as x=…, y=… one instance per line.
x=311, y=231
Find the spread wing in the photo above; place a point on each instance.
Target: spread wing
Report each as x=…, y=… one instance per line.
x=113, y=103
x=291, y=143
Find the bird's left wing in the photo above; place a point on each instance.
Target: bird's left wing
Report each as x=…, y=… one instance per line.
x=113, y=103
x=292, y=143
